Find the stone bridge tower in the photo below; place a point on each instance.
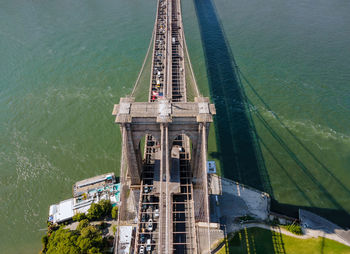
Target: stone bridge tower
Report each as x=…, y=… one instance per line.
x=166, y=120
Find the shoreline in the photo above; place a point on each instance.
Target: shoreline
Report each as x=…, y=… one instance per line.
x=255, y=204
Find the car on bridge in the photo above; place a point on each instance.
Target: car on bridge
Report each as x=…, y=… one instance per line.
x=150, y=225
x=144, y=217
x=156, y=214
x=145, y=189
x=148, y=245
x=142, y=238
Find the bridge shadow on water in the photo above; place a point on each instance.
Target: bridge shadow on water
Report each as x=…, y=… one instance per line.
x=239, y=150
x=338, y=214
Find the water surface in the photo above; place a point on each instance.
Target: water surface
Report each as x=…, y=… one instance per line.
x=63, y=64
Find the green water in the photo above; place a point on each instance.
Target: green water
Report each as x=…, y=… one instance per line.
x=63, y=64
x=296, y=56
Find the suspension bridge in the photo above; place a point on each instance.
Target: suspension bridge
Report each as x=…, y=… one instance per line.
x=164, y=154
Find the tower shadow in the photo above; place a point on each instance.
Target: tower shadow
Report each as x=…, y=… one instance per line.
x=239, y=151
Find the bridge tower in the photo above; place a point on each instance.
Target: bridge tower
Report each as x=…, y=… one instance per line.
x=165, y=120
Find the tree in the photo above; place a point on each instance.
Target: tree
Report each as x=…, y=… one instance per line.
x=95, y=212
x=44, y=241
x=79, y=217
x=83, y=224
x=114, y=229
x=115, y=212
x=106, y=207
x=86, y=240
x=295, y=228
x=94, y=250
x=85, y=244
x=99, y=210
x=102, y=225
x=89, y=232
x=63, y=241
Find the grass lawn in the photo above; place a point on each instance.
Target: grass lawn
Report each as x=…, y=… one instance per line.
x=256, y=240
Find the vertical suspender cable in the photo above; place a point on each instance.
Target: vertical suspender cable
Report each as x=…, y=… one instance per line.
x=144, y=61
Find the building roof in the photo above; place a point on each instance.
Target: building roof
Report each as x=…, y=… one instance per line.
x=92, y=183
x=66, y=209
x=62, y=211
x=125, y=236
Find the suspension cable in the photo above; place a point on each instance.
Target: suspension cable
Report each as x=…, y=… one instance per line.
x=144, y=61
x=190, y=64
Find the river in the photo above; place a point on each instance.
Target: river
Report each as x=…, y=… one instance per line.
x=63, y=64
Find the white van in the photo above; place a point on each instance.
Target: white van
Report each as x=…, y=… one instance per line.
x=150, y=225
x=148, y=245
x=156, y=213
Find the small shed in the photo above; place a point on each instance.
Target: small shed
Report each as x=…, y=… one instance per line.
x=211, y=167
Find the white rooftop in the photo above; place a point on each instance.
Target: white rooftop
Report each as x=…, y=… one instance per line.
x=125, y=235
x=62, y=211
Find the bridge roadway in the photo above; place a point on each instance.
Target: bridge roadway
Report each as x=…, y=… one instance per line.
x=166, y=214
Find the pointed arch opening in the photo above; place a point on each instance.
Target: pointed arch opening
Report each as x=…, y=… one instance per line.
x=181, y=152
x=148, y=147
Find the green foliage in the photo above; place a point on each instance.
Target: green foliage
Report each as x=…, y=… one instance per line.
x=52, y=228
x=294, y=228
x=106, y=207
x=89, y=232
x=114, y=229
x=95, y=212
x=85, y=244
x=94, y=250
x=44, y=241
x=245, y=218
x=99, y=210
x=62, y=241
x=102, y=225
x=90, y=237
x=257, y=240
x=115, y=212
x=79, y=217
x=86, y=240
x=83, y=224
